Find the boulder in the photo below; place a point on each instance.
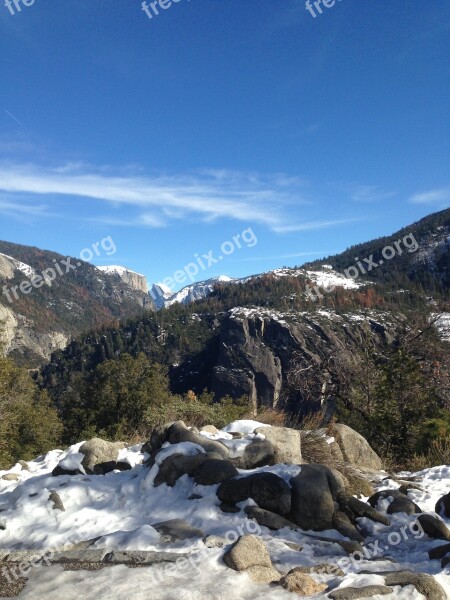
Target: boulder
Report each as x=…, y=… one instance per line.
x=383, y=494
x=176, y=530
x=434, y=527
x=355, y=449
x=248, y=551
x=321, y=569
x=177, y=465
x=11, y=477
x=100, y=456
x=267, y=489
x=212, y=471
x=57, y=502
x=267, y=518
x=403, y=505
x=286, y=444
x=445, y=561
x=352, y=593
x=260, y=574
x=302, y=584
x=439, y=551
x=362, y=509
x=314, y=491
x=424, y=584
x=443, y=506
x=209, y=429
x=259, y=453
x=178, y=432
x=342, y=523
x=215, y=541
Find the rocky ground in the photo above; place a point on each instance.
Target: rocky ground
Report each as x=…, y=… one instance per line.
x=220, y=515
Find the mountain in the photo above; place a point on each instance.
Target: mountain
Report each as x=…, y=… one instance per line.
x=46, y=299
x=135, y=280
x=418, y=254
x=246, y=336
x=163, y=296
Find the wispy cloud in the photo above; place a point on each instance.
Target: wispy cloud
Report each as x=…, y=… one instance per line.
x=315, y=225
x=21, y=211
x=440, y=196
x=370, y=193
x=206, y=196
x=280, y=256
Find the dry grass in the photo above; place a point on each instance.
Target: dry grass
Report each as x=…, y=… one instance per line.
x=268, y=416
x=316, y=450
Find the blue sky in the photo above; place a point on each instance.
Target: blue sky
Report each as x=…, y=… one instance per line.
x=172, y=135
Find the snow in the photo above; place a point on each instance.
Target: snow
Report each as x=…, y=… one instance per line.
x=244, y=426
x=28, y=271
x=118, y=270
x=120, y=508
x=443, y=325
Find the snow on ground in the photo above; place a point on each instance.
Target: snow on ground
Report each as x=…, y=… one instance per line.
x=121, y=507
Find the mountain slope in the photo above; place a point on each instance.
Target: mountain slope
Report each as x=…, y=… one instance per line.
x=47, y=298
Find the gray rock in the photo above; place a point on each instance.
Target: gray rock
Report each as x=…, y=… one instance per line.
x=314, y=491
x=443, y=506
x=11, y=477
x=403, y=505
x=212, y=471
x=100, y=456
x=342, y=523
x=86, y=555
x=434, y=527
x=445, y=561
x=228, y=508
x=178, y=432
x=175, y=466
x=269, y=519
x=57, y=502
x=322, y=569
x=361, y=509
x=383, y=494
x=286, y=443
x=260, y=574
x=267, y=489
x=301, y=583
x=352, y=593
x=24, y=465
x=209, y=429
x=215, y=541
x=248, y=551
x=439, y=551
x=142, y=557
x=259, y=453
x=424, y=584
x=355, y=448
x=58, y=470
x=176, y=530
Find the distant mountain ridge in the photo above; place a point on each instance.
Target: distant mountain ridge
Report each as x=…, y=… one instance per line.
x=44, y=317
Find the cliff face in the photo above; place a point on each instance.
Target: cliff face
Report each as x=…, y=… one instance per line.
x=258, y=348
x=135, y=280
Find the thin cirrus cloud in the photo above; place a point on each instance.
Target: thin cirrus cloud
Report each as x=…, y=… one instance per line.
x=161, y=199
x=157, y=201
x=440, y=195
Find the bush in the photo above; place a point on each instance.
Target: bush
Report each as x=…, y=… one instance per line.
x=29, y=425
x=196, y=411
